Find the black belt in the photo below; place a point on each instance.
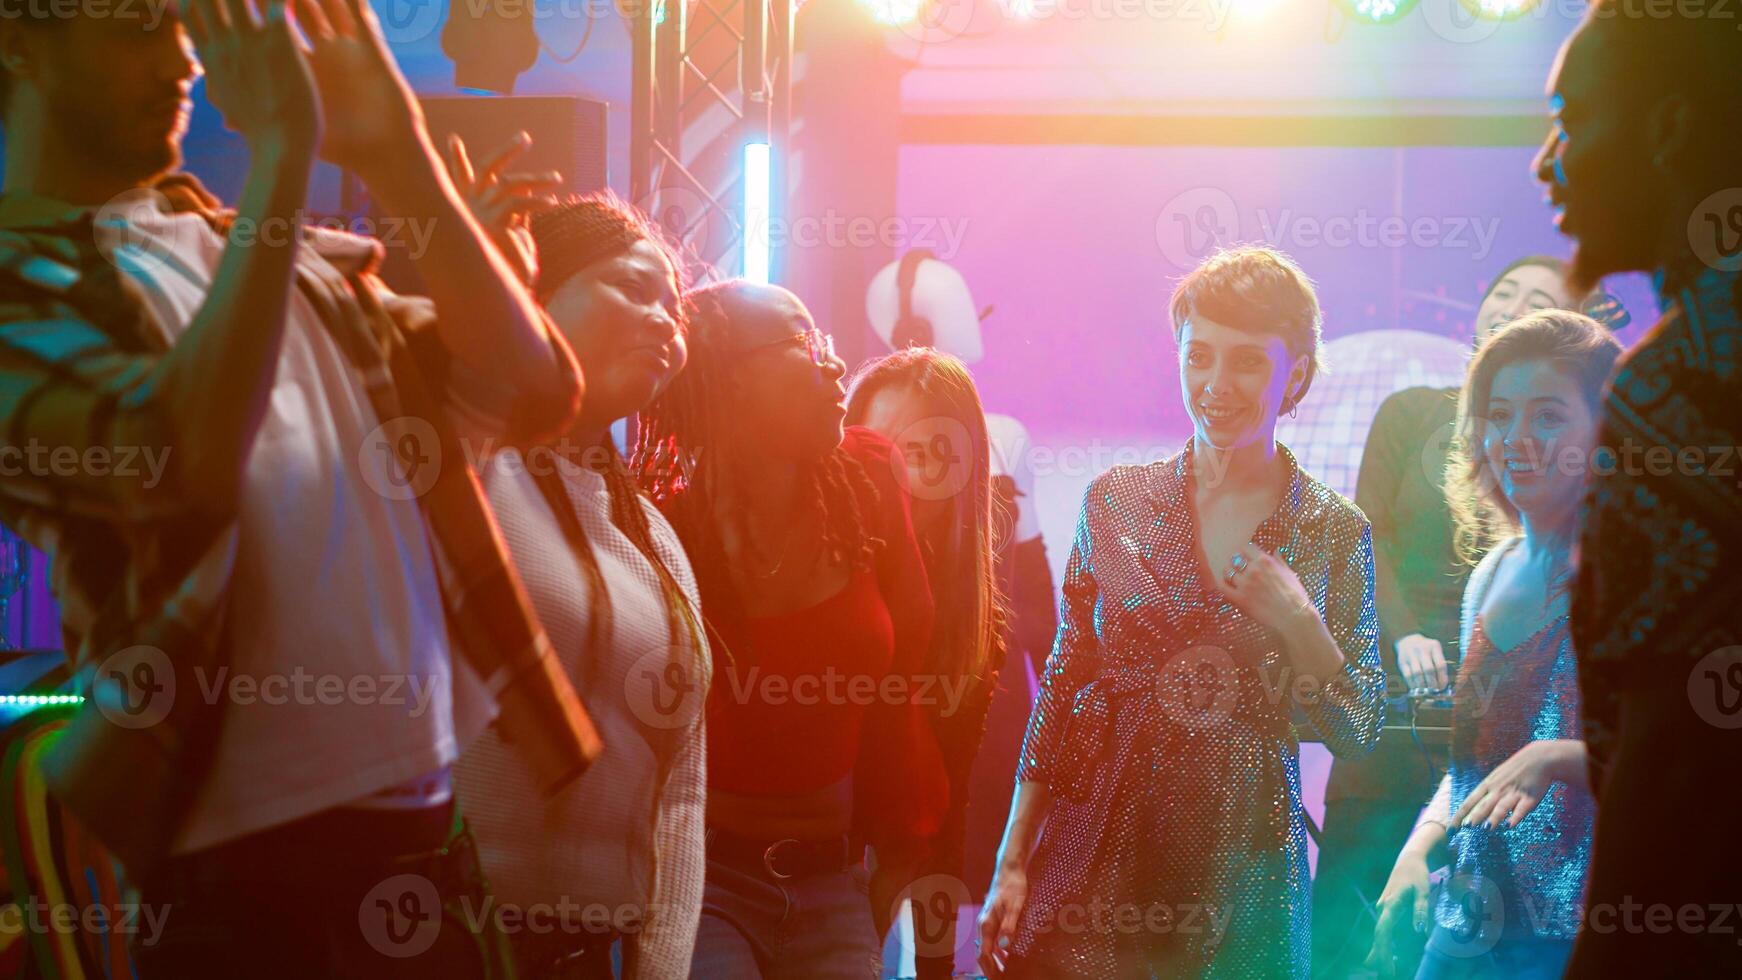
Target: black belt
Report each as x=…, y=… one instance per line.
x=786, y=857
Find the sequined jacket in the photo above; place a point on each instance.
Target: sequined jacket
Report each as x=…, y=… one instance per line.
x=1163, y=728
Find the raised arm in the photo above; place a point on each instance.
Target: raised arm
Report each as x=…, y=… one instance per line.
x=188, y=418
x=491, y=326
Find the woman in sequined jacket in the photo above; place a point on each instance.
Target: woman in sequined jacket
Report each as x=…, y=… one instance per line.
x=1208, y=598
x=1515, y=805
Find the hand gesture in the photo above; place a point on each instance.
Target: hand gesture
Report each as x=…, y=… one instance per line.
x=373, y=121
x=1422, y=661
x=256, y=70
x=1265, y=588
x=1515, y=786
x=1404, y=901
x=1005, y=900
x=505, y=203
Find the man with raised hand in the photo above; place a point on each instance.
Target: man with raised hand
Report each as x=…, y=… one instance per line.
x=274, y=617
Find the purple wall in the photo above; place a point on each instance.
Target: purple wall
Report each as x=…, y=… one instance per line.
x=1079, y=248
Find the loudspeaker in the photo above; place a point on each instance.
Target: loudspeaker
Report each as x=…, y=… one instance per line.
x=568, y=135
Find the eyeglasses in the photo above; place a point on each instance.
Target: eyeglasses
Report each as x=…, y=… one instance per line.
x=820, y=346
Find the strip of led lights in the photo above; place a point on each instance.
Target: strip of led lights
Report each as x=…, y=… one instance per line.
x=40, y=700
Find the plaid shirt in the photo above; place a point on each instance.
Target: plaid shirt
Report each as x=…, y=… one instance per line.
x=137, y=566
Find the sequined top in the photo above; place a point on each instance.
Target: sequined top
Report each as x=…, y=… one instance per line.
x=1162, y=727
x=1675, y=394
x=1526, y=880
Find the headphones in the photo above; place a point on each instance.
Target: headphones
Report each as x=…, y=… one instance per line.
x=910, y=330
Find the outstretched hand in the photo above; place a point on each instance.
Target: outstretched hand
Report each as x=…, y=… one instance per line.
x=373, y=122
x=504, y=203
x=257, y=72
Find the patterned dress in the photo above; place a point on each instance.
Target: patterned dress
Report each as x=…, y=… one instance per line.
x=1175, y=845
x=1523, y=882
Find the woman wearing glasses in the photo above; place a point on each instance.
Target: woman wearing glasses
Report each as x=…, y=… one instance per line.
x=1206, y=598
x=815, y=597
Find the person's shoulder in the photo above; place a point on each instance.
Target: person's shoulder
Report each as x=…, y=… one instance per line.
x=862, y=443
x=1419, y=399
x=1136, y=488
x=1319, y=501
x=878, y=456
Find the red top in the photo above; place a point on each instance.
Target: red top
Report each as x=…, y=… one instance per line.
x=818, y=693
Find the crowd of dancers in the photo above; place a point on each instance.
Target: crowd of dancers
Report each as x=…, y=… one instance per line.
x=709, y=705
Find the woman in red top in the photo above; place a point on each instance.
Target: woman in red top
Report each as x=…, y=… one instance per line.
x=815, y=597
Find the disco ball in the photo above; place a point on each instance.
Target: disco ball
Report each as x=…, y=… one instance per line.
x=1329, y=431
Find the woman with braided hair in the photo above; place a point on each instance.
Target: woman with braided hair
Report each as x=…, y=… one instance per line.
x=615, y=859
x=820, y=616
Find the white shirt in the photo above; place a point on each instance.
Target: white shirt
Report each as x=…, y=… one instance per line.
x=628, y=834
x=339, y=683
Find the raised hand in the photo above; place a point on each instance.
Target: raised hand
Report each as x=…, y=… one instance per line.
x=373, y=122
x=257, y=74
x=505, y=203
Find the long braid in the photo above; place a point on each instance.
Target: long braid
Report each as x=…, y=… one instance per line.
x=629, y=517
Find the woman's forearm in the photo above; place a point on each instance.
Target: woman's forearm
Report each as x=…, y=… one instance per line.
x=1573, y=766
x=1028, y=810
x=1311, y=648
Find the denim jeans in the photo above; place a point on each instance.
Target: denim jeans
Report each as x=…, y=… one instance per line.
x=1516, y=959
x=811, y=927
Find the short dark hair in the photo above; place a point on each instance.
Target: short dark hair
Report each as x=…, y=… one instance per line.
x=1255, y=289
x=1678, y=51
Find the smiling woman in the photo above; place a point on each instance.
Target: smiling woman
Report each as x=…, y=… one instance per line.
x=1515, y=804
x=1221, y=567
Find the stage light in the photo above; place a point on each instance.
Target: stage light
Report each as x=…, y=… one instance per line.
x=1252, y=11
x=1499, y=9
x=1377, y=11
x=895, y=12
x=756, y=233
